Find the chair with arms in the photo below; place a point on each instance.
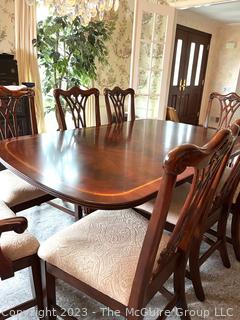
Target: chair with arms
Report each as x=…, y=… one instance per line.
x=120, y=258
x=76, y=102
x=217, y=213
x=115, y=104
x=18, y=250
x=14, y=191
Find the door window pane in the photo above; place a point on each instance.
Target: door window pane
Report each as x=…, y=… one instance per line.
x=141, y=106
x=144, y=55
x=177, y=62
x=147, y=26
x=190, y=63
x=157, y=56
x=160, y=28
x=199, y=64
x=143, y=81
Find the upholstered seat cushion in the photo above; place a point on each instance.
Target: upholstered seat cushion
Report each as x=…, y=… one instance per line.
x=14, y=245
x=179, y=195
x=14, y=190
x=101, y=250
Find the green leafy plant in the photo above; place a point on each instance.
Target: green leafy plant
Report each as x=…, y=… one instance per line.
x=69, y=52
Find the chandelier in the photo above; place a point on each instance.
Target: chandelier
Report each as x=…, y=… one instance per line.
x=85, y=9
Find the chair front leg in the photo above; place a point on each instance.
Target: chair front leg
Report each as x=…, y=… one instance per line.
x=179, y=289
x=49, y=292
x=36, y=283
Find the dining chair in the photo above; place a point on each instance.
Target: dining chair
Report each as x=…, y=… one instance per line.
x=122, y=259
x=76, y=101
x=14, y=191
x=115, y=101
x=172, y=114
x=225, y=107
x=18, y=250
x=217, y=213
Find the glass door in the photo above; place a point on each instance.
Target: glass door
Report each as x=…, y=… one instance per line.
x=150, y=65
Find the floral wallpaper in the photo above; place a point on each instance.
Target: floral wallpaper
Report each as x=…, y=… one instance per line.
x=7, y=26
x=117, y=72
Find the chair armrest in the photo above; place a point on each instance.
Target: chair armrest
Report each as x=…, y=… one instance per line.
x=16, y=224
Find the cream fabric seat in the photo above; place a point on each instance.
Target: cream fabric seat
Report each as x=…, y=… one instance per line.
x=14, y=190
x=101, y=250
x=14, y=245
x=179, y=195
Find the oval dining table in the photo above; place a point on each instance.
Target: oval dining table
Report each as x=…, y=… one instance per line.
x=107, y=167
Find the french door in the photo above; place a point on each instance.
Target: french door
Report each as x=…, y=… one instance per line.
x=151, y=56
x=188, y=73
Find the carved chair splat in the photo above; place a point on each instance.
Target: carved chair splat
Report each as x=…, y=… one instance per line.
x=75, y=101
x=115, y=104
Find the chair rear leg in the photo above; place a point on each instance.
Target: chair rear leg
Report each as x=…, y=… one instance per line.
x=179, y=290
x=36, y=283
x=235, y=231
x=195, y=270
x=221, y=232
x=78, y=212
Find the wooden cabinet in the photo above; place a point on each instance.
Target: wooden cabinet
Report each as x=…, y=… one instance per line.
x=9, y=76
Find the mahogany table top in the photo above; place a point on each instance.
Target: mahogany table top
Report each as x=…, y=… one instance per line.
x=109, y=167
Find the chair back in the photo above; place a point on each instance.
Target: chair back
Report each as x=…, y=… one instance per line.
x=208, y=163
x=172, y=114
x=229, y=187
x=226, y=109
x=76, y=101
x=115, y=104
x=11, y=103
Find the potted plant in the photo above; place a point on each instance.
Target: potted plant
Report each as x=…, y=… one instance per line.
x=68, y=52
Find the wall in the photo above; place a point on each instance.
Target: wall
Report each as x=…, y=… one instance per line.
x=227, y=59
x=117, y=71
x=7, y=26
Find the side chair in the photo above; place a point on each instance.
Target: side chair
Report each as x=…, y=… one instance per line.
x=120, y=258
x=14, y=191
x=115, y=104
x=18, y=250
x=217, y=213
x=76, y=101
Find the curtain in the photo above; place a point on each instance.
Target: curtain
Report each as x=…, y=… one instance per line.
x=25, y=32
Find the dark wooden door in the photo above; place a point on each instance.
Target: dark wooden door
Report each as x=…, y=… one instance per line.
x=188, y=73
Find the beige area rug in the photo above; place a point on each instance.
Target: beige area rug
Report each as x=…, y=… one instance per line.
x=222, y=286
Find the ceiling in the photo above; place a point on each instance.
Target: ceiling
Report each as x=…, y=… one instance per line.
x=225, y=12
